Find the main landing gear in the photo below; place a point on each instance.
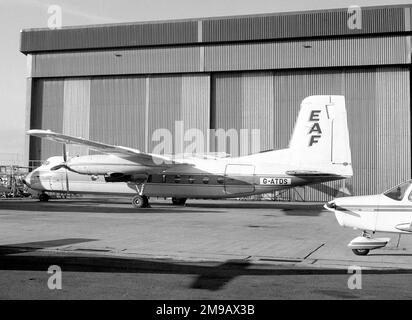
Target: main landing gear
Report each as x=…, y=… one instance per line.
x=363, y=244
x=140, y=200
x=179, y=201
x=44, y=197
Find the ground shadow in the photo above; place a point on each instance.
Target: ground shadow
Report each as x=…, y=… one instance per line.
x=81, y=206
x=209, y=276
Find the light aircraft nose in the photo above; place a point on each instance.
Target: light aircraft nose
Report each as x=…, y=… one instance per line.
x=332, y=206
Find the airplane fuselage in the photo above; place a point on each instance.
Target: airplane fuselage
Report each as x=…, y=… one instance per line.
x=188, y=177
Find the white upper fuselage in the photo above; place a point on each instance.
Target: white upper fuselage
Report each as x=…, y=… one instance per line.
x=390, y=211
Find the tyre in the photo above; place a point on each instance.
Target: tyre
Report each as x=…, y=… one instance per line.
x=138, y=202
x=44, y=197
x=360, y=252
x=179, y=201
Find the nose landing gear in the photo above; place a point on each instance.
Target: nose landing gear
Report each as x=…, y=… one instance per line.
x=363, y=244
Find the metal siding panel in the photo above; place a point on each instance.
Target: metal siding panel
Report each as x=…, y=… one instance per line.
x=245, y=102
x=196, y=105
x=321, y=53
x=117, y=62
x=165, y=99
x=301, y=24
x=76, y=113
x=109, y=36
x=47, y=113
x=257, y=105
x=375, y=20
x=117, y=111
x=228, y=109
x=394, y=123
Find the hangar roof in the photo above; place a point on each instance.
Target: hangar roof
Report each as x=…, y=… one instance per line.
x=275, y=26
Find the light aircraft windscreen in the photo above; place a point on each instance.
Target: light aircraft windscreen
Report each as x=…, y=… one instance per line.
x=398, y=192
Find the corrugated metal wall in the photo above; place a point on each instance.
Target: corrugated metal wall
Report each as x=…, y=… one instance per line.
x=308, y=54
x=47, y=113
x=117, y=111
x=378, y=104
x=109, y=36
x=128, y=110
x=239, y=28
x=178, y=104
x=244, y=101
x=120, y=61
x=233, y=57
x=76, y=112
x=304, y=24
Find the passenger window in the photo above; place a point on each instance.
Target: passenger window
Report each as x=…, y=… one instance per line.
x=220, y=180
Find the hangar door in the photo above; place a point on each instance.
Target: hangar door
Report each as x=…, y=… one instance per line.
x=378, y=105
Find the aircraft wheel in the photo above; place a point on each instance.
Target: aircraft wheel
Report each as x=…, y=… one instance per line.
x=44, y=197
x=360, y=252
x=140, y=202
x=179, y=201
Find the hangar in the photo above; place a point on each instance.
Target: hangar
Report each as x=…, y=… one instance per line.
x=118, y=83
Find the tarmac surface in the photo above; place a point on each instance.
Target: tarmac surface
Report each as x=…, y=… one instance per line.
x=205, y=250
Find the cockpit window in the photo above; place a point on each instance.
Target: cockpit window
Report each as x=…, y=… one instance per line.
x=398, y=192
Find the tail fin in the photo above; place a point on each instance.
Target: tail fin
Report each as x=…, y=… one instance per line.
x=320, y=140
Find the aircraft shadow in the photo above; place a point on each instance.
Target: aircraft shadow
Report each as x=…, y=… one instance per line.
x=69, y=206
x=209, y=276
x=258, y=205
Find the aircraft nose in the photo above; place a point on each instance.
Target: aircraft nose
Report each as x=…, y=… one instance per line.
x=27, y=179
x=330, y=205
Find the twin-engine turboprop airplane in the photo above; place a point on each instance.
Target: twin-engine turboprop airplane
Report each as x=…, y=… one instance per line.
x=318, y=152
x=389, y=212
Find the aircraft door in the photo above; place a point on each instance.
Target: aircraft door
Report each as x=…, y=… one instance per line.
x=239, y=179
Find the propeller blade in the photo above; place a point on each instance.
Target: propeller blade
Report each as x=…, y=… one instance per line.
x=67, y=183
x=57, y=167
x=64, y=153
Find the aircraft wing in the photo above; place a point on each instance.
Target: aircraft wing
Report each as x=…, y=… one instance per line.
x=98, y=146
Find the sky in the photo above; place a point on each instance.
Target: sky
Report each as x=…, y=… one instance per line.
x=21, y=14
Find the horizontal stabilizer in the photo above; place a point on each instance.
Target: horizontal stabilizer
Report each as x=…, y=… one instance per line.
x=310, y=173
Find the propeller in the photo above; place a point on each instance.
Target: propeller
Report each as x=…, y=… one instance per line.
x=65, y=166
x=66, y=169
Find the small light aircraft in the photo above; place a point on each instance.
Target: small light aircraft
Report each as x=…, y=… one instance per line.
x=389, y=212
x=319, y=151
